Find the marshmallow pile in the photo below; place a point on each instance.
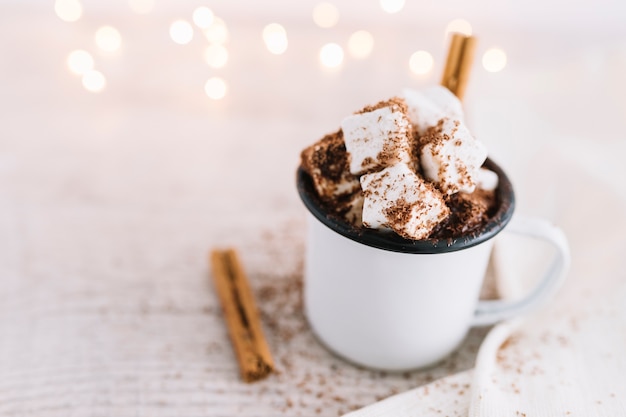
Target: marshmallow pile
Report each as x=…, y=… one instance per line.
x=396, y=164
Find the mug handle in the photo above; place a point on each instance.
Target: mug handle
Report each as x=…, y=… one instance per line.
x=491, y=311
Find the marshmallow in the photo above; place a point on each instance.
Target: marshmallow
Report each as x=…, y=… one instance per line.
x=451, y=157
x=426, y=107
x=486, y=180
x=398, y=198
x=378, y=136
x=326, y=161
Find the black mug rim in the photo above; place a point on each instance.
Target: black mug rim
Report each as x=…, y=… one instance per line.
x=391, y=241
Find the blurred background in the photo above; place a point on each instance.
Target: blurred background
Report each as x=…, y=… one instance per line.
x=135, y=135
x=208, y=81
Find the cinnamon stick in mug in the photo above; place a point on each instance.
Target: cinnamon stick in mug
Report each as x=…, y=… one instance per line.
x=458, y=64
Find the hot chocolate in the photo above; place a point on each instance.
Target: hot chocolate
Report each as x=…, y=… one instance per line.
x=407, y=165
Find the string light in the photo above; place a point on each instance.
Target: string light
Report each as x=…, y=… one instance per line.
x=494, y=60
x=68, y=10
x=216, y=88
x=79, y=62
x=217, y=32
x=421, y=62
x=181, y=32
x=325, y=15
x=203, y=17
x=94, y=81
x=331, y=55
x=108, y=39
x=141, y=6
x=392, y=6
x=216, y=56
x=360, y=44
x=275, y=38
x=459, y=26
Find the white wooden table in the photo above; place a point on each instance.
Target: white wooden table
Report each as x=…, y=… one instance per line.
x=110, y=202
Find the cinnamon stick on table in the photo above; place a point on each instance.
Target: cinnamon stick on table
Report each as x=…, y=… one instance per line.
x=458, y=64
x=241, y=314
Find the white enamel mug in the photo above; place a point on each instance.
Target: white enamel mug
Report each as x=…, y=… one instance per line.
x=388, y=303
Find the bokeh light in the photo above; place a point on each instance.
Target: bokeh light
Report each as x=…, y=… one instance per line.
x=216, y=88
x=275, y=38
x=217, y=32
x=360, y=44
x=331, y=55
x=392, y=6
x=181, y=32
x=421, y=62
x=459, y=26
x=108, y=39
x=94, y=81
x=79, y=62
x=203, y=17
x=68, y=10
x=141, y=6
x=325, y=15
x=216, y=56
x=494, y=60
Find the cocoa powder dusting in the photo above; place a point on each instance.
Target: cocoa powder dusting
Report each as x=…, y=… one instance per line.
x=399, y=215
x=388, y=155
x=395, y=103
x=369, y=163
x=327, y=162
x=432, y=135
x=328, y=155
x=469, y=213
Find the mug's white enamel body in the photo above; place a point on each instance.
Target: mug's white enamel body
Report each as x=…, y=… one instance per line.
x=389, y=310
x=389, y=303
